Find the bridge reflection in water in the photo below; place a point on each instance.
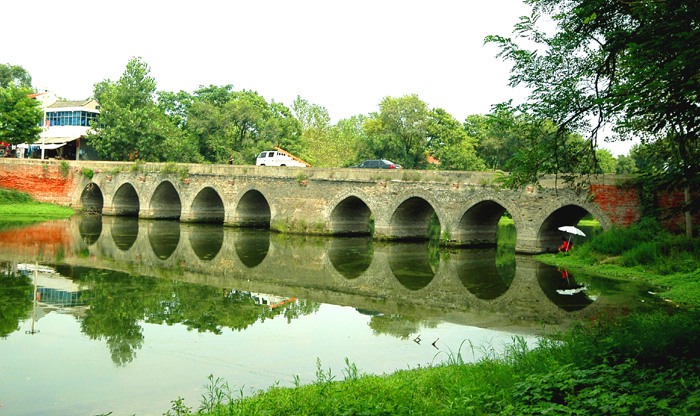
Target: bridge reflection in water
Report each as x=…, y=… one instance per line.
x=353, y=271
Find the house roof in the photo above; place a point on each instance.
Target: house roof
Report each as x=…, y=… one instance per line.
x=433, y=161
x=64, y=104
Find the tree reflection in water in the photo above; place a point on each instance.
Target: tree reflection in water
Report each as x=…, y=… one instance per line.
x=15, y=299
x=118, y=302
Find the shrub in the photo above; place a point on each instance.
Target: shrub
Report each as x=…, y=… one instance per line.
x=9, y=196
x=89, y=173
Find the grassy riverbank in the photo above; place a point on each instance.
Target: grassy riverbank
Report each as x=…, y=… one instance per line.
x=641, y=251
x=18, y=209
x=638, y=365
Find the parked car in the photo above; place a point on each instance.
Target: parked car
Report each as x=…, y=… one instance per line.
x=378, y=164
x=279, y=157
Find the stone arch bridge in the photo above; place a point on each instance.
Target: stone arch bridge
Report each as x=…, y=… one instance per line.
x=397, y=204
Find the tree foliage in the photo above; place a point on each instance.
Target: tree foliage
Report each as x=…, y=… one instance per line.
x=223, y=123
x=14, y=75
x=451, y=144
x=20, y=116
x=399, y=131
x=130, y=125
x=632, y=64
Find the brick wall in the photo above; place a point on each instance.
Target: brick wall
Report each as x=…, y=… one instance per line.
x=621, y=204
x=43, y=181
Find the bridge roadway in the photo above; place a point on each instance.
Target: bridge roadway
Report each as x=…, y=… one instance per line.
x=397, y=204
x=312, y=269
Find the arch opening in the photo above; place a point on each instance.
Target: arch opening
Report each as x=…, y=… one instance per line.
x=479, y=224
x=549, y=238
x=126, y=201
x=411, y=220
x=253, y=210
x=351, y=216
x=165, y=202
x=91, y=199
x=208, y=207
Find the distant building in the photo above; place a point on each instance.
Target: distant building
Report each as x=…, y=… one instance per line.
x=433, y=161
x=66, y=125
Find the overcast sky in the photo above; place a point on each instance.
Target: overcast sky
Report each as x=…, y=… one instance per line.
x=343, y=55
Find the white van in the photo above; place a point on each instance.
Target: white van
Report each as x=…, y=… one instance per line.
x=279, y=158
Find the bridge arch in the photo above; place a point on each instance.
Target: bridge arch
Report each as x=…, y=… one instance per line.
x=165, y=202
x=207, y=206
x=125, y=201
x=411, y=215
x=91, y=198
x=252, y=209
x=548, y=235
x=350, y=213
x=478, y=223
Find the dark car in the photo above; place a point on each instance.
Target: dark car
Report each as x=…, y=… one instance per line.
x=378, y=164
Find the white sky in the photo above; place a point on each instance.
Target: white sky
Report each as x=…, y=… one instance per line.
x=343, y=55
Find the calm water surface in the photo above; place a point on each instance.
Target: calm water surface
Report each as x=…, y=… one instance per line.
x=119, y=315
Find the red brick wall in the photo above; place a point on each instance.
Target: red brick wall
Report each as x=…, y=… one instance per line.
x=43, y=181
x=621, y=204
x=669, y=200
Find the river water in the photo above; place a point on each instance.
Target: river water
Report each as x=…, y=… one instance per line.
x=123, y=315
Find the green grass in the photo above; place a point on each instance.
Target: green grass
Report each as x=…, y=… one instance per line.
x=638, y=365
x=19, y=209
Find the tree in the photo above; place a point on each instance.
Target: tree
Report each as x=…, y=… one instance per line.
x=399, y=131
x=14, y=74
x=631, y=64
x=130, y=125
x=227, y=123
x=20, y=116
x=451, y=144
x=606, y=161
x=625, y=165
